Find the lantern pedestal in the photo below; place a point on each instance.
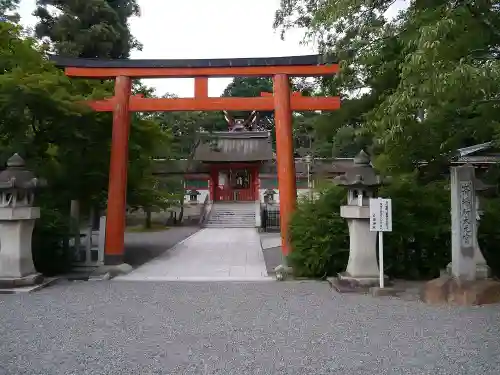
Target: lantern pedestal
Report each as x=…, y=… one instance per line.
x=362, y=268
x=16, y=260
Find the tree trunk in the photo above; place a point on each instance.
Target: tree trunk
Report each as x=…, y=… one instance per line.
x=75, y=225
x=181, y=213
x=148, y=223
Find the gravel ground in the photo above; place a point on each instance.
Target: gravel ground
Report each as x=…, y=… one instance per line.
x=143, y=247
x=238, y=329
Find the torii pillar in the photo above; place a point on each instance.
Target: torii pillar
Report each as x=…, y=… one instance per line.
x=284, y=154
x=117, y=191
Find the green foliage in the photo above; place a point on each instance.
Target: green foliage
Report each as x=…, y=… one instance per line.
x=420, y=244
x=319, y=236
x=489, y=233
x=6, y=9
x=50, y=251
x=83, y=28
x=65, y=142
x=402, y=80
x=249, y=87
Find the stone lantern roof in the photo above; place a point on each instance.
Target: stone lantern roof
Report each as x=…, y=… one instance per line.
x=360, y=175
x=16, y=176
x=269, y=192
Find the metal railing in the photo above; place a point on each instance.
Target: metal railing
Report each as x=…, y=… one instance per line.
x=270, y=221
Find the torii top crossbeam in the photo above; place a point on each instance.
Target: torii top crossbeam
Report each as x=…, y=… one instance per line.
x=312, y=65
x=293, y=66
x=281, y=101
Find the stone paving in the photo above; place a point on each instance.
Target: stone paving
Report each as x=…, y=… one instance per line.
x=210, y=254
x=126, y=328
x=141, y=247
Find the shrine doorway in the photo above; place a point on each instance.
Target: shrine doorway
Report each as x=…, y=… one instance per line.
x=234, y=183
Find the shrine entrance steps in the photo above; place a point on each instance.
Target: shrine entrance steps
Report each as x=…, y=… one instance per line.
x=211, y=254
x=232, y=215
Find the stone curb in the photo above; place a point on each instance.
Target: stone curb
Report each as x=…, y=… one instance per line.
x=104, y=273
x=30, y=289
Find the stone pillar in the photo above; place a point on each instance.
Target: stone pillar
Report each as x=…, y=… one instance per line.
x=362, y=266
x=463, y=223
x=16, y=260
x=461, y=286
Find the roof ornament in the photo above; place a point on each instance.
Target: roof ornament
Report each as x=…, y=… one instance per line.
x=240, y=125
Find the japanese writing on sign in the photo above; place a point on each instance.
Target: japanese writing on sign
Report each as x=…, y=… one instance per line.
x=380, y=215
x=466, y=213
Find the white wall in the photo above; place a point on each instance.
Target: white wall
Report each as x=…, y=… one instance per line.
x=301, y=193
x=201, y=197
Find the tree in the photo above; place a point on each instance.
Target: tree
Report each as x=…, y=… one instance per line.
x=88, y=28
x=7, y=7
x=405, y=77
x=249, y=87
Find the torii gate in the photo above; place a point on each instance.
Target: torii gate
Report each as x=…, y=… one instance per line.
x=282, y=102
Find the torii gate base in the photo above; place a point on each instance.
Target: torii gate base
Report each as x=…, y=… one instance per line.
x=282, y=102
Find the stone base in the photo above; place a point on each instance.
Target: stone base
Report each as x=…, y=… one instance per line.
x=386, y=291
x=109, y=272
x=30, y=288
x=346, y=283
x=273, y=257
x=449, y=290
x=483, y=271
x=16, y=282
x=80, y=273
x=283, y=272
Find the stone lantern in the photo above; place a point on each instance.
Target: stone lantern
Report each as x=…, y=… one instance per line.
x=17, y=220
x=269, y=196
x=362, y=183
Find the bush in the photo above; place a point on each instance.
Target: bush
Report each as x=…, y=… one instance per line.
x=50, y=249
x=319, y=236
x=489, y=233
x=419, y=246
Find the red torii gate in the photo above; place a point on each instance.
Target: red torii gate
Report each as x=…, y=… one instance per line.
x=282, y=102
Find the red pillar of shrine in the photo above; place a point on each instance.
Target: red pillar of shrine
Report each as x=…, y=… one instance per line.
x=117, y=191
x=284, y=154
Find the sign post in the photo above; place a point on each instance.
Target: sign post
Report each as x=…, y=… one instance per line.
x=381, y=221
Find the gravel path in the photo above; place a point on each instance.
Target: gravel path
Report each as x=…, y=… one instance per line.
x=238, y=329
x=142, y=247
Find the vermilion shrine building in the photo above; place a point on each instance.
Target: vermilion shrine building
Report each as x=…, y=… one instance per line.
x=240, y=166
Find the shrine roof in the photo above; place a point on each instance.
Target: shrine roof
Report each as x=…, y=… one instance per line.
x=306, y=60
x=474, y=149
x=484, y=153
x=320, y=167
x=234, y=147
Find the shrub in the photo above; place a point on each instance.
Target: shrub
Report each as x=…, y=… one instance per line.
x=419, y=246
x=319, y=236
x=489, y=233
x=50, y=250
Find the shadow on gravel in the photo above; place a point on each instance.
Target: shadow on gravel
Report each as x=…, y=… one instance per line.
x=142, y=247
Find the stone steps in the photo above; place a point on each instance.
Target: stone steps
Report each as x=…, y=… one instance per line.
x=237, y=215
